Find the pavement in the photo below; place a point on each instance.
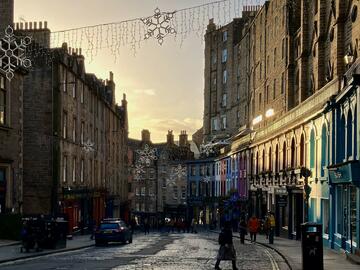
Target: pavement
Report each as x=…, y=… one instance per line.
x=10, y=250
x=291, y=251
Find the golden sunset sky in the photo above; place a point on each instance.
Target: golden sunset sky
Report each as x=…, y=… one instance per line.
x=163, y=84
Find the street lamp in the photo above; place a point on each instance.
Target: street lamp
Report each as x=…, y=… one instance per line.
x=269, y=113
x=349, y=57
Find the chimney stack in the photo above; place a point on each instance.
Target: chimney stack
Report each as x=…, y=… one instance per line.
x=170, y=137
x=183, y=139
x=145, y=136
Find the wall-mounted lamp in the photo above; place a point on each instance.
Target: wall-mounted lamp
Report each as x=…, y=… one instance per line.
x=349, y=56
x=269, y=113
x=257, y=119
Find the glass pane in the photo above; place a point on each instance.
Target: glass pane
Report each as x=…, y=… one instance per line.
x=353, y=211
x=2, y=175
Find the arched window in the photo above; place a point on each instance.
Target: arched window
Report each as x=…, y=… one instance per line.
x=312, y=149
x=284, y=156
x=302, y=151
x=293, y=153
x=263, y=160
x=324, y=151
x=270, y=160
x=349, y=137
x=257, y=162
x=277, y=158
x=252, y=163
x=340, y=145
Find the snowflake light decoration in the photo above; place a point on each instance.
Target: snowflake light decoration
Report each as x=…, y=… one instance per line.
x=159, y=25
x=206, y=149
x=171, y=181
x=89, y=146
x=179, y=171
x=13, y=53
x=138, y=171
x=147, y=155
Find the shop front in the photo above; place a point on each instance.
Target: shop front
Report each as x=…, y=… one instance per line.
x=345, y=184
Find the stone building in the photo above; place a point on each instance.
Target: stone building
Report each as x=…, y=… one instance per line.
x=11, y=128
x=75, y=139
x=160, y=185
x=300, y=155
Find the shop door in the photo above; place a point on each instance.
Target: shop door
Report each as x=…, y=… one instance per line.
x=2, y=190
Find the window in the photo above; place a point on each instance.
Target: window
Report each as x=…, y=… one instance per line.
x=74, y=130
x=74, y=170
x=323, y=150
x=312, y=149
x=65, y=169
x=293, y=154
x=64, y=75
x=214, y=124
x=225, y=36
x=282, y=83
x=175, y=190
x=274, y=57
x=283, y=48
x=274, y=89
x=224, y=55
x=260, y=100
x=267, y=94
x=82, y=132
x=137, y=206
x=137, y=192
x=82, y=90
x=2, y=106
x=183, y=192
x=302, y=151
x=225, y=76
x=224, y=100
x=65, y=125
x=349, y=135
x=143, y=190
x=238, y=93
x=238, y=115
x=213, y=57
x=193, y=170
x=82, y=171
x=223, y=122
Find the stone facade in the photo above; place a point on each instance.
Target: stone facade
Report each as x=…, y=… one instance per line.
x=76, y=141
x=158, y=192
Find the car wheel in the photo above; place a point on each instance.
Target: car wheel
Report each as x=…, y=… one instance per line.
x=130, y=240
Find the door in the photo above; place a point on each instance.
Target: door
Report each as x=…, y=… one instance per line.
x=2, y=189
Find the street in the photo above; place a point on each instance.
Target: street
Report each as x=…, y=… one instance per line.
x=157, y=252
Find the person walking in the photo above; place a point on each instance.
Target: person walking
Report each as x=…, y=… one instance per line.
x=271, y=226
x=146, y=227
x=226, y=251
x=242, y=230
x=253, y=225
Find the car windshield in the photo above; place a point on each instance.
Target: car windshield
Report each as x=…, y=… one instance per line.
x=105, y=226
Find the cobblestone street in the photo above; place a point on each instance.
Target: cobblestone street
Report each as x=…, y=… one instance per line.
x=157, y=252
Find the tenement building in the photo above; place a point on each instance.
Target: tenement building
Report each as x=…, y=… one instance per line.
x=299, y=156
x=11, y=128
x=75, y=139
x=159, y=182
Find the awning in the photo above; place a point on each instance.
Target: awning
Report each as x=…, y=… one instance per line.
x=345, y=173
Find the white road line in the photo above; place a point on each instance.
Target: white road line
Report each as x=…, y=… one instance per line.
x=272, y=260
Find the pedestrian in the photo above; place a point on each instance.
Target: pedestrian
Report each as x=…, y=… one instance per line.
x=266, y=227
x=133, y=225
x=271, y=226
x=242, y=230
x=226, y=251
x=146, y=227
x=253, y=225
x=92, y=228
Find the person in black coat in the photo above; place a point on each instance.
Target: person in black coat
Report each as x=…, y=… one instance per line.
x=226, y=251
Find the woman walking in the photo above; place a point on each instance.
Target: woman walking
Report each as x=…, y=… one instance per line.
x=254, y=226
x=226, y=251
x=242, y=230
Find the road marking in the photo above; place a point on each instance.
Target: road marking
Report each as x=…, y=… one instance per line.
x=272, y=260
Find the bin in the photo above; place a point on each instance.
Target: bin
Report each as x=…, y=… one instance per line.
x=312, y=246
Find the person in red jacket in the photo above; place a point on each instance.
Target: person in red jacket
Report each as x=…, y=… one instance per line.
x=253, y=226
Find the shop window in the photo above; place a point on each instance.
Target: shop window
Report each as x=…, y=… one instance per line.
x=325, y=209
x=349, y=137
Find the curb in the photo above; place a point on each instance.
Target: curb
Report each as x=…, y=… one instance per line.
x=267, y=246
x=41, y=254
x=11, y=244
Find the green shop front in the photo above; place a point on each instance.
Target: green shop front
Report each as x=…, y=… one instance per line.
x=345, y=193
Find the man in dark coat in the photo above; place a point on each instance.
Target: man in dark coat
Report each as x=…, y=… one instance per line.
x=226, y=251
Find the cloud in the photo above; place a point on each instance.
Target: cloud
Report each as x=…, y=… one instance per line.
x=148, y=92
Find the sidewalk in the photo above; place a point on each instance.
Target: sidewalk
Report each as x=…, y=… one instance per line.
x=291, y=250
x=11, y=251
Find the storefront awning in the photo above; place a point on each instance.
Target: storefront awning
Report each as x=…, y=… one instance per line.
x=345, y=173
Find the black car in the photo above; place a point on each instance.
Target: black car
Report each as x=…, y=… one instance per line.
x=112, y=230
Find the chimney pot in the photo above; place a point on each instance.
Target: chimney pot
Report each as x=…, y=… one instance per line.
x=45, y=24
x=26, y=25
x=40, y=25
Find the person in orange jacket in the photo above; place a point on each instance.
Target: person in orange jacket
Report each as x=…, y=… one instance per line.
x=253, y=226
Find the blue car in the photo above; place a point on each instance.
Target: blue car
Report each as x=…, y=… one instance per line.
x=112, y=230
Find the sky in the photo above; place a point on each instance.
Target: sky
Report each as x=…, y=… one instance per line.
x=164, y=84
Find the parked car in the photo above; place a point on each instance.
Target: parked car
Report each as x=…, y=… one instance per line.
x=112, y=230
